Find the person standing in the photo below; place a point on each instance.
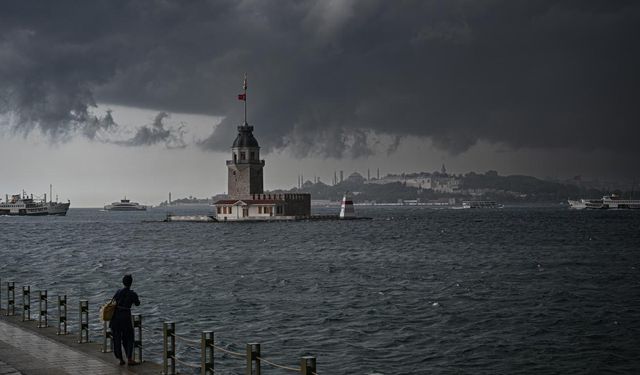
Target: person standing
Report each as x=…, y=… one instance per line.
x=121, y=324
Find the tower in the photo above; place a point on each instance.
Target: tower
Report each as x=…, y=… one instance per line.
x=245, y=168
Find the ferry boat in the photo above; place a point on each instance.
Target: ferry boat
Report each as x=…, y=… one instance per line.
x=125, y=205
x=480, y=204
x=23, y=205
x=608, y=202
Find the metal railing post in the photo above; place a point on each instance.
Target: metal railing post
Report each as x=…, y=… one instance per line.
x=83, y=321
x=26, y=303
x=107, y=338
x=307, y=365
x=253, y=362
x=62, y=315
x=11, y=298
x=168, y=348
x=43, y=306
x=206, y=353
x=137, y=342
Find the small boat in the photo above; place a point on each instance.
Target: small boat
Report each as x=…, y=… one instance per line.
x=23, y=205
x=125, y=205
x=481, y=204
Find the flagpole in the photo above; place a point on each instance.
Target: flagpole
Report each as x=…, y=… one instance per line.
x=245, y=98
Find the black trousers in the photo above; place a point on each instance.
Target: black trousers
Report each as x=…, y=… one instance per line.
x=122, y=331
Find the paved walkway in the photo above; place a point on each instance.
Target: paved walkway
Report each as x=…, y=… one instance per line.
x=35, y=354
x=28, y=350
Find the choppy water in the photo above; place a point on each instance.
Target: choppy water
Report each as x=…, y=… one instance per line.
x=414, y=291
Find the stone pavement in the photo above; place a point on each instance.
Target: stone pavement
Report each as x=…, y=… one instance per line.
x=5, y=369
x=28, y=350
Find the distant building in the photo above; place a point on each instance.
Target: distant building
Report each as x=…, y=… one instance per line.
x=356, y=178
x=436, y=182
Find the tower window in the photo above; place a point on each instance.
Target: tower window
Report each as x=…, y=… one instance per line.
x=243, y=155
x=253, y=155
x=235, y=157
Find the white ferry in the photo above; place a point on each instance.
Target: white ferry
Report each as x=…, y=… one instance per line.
x=612, y=202
x=125, y=205
x=481, y=204
x=23, y=205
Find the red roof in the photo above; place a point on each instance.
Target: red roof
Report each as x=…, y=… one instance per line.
x=248, y=201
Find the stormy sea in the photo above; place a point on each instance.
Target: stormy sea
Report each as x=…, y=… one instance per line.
x=517, y=290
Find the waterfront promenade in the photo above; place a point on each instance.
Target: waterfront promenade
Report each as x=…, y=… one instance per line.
x=29, y=350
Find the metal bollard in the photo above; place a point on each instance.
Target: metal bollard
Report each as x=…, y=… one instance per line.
x=26, y=303
x=137, y=342
x=169, y=348
x=206, y=353
x=62, y=315
x=43, y=306
x=307, y=365
x=83, y=321
x=107, y=338
x=11, y=298
x=253, y=362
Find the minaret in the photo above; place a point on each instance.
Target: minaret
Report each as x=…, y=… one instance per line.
x=245, y=167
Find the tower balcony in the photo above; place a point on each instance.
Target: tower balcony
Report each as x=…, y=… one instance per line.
x=246, y=162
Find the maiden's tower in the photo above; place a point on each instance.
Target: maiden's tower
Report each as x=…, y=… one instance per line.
x=247, y=200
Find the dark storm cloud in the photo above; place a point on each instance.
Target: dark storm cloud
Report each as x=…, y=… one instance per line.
x=157, y=133
x=330, y=77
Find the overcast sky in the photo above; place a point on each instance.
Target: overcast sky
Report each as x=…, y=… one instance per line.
x=107, y=98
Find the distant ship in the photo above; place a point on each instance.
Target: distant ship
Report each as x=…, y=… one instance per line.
x=481, y=204
x=23, y=205
x=125, y=205
x=607, y=202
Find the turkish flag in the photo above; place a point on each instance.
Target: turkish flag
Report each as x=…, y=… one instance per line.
x=242, y=97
